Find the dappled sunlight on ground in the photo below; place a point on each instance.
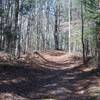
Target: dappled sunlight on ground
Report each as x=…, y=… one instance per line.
x=35, y=82
x=29, y=83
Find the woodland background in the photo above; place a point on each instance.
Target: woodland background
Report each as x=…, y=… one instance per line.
x=50, y=49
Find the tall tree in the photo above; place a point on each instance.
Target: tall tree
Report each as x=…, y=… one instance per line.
x=56, y=32
x=82, y=28
x=69, y=14
x=93, y=15
x=15, y=36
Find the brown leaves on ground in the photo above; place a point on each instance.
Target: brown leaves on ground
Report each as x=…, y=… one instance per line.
x=5, y=57
x=57, y=60
x=50, y=59
x=53, y=74
x=54, y=59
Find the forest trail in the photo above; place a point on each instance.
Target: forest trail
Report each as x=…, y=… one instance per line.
x=51, y=76
x=58, y=60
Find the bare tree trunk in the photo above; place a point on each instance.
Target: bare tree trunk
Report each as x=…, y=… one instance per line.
x=82, y=38
x=97, y=51
x=69, y=14
x=56, y=34
x=19, y=38
x=16, y=26
x=48, y=22
x=28, y=34
x=98, y=44
x=1, y=26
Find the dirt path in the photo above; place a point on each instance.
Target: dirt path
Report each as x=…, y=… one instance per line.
x=36, y=82
x=57, y=60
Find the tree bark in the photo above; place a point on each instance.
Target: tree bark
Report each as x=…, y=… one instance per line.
x=82, y=29
x=16, y=26
x=56, y=34
x=69, y=14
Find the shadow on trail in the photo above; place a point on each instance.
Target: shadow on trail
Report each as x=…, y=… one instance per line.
x=37, y=84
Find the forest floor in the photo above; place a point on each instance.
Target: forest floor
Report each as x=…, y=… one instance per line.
x=54, y=75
